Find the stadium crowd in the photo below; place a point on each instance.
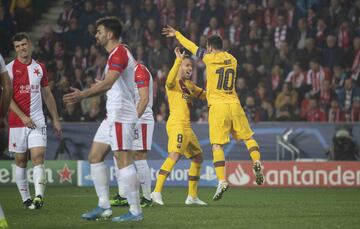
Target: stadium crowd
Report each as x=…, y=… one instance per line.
x=298, y=60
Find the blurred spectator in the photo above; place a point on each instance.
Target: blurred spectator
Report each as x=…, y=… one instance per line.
x=292, y=13
x=214, y=29
x=282, y=32
x=287, y=111
x=71, y=37
x=149, y=12
x=135, y=34
x=251, y=109
x=150, y=33
x=283, y=97
x=332, y=54
x=90, y=107
x=276, y=78
x=251, y=76
x=232, y=12
x=267, y=53
x=335, y=113
x=316, y=75
x=89, y=37
x=300, y=35
x=78, y=79
x=236, y=31
x=339, y=76
x=64, y=18
x=22, y=11
x=320, y=32
x=310, y=52
x=47, y=42
x=111, y=9
x=325, y=95
x=297, y=78
x=314, y=113
x=7, y=29
x=213, y=9
x=79, y=60
x=167, y=12
x=191, y=13
x=335, y=13
x=88, y=15
x=242, y=90
x=347, y=94
x=127, y=16
x=158, y=56
x=355, y=67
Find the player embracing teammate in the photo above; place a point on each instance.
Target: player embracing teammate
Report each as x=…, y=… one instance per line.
x=226, y=116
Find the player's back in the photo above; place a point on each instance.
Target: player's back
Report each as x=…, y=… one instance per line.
x=221, y=75
x=120, y=104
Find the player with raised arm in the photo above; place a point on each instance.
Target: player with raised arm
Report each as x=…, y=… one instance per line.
x=5, y=98
x=181, y=92
x=143, y=134
x=116, y=130
x=27, y=126
x=225, y=112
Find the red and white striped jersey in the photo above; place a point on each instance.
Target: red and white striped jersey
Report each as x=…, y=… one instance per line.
x=120, y=103
x=27, y=81
x=143, y=78
x=2, y=65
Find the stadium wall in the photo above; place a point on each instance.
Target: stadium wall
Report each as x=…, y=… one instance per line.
x=238, y=173
x=313, y=140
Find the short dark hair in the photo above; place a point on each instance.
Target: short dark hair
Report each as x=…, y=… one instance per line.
x=20, y=36
x=215, y=42
x=112, y=24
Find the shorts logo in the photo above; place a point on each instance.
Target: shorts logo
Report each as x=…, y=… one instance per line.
x=14, y=144
x=178, y=145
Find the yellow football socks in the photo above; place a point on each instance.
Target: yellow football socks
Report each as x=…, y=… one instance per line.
x=253, y=149
x=219, y=163
x=164, y=172
x=194, y=177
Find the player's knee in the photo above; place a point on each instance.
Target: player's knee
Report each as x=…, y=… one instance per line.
x=37, y=159
x=216, y=147
x=174, y=156
x=21, y=162
x=93, y=158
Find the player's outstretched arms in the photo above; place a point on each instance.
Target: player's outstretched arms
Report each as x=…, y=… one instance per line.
x=171, y=79
x=76, y=95
x=189, y=45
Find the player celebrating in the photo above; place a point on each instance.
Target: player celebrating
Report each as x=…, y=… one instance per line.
x=225, y=112
x=182, y=140
x=5, y=98
x=27, y=128
x=117, y=129
x=143, y=137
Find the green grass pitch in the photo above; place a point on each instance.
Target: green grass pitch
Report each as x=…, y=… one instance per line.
x=239, y=208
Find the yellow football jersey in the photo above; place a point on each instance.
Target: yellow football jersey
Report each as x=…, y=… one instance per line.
x=220, y=73
x=181, y=94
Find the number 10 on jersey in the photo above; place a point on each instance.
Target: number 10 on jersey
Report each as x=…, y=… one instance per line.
x=224, y=77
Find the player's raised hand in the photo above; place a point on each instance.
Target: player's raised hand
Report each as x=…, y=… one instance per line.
x=73, y=97
x=168, y=31
x=178, y=53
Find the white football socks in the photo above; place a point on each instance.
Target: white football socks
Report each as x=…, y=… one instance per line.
x=121, y=191
x=22, y=183
x=143, y=171
x=131, y=187
x=100, y=177
x=39, y=179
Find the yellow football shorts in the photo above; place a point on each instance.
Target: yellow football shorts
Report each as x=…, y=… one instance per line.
x=183, y=140
x=225, y=119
